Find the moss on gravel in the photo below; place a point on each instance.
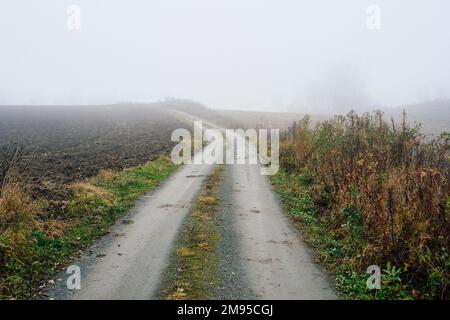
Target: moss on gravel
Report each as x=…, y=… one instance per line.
x=193, y=272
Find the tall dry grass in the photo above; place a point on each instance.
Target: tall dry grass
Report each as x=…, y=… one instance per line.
x=18, y=211
x=381, y=187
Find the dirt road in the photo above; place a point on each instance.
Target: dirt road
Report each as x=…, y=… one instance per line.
x=271, y=259
x=265, y=249
x=128, y=263
x=274, y=262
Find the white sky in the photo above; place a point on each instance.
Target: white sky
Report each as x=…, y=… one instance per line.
x=239, y=54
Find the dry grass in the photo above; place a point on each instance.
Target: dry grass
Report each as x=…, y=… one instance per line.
x=208, y=200
x=90, y=200
x=18, y=211
x=108, y=175
x=185, y=252
x=382, y=186
x=91, y=189
x=53, y=228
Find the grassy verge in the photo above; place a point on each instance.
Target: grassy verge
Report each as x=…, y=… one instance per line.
x=194, y=267
x=372, y=192
x=33, y=248
x=331, y=248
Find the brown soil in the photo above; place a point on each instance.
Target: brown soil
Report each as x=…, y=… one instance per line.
x=61, y=144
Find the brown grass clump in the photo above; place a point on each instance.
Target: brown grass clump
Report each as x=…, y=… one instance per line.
x=108, y=175
x=90, y=199
x=53, y=228
x=18, y=211
x=86, y=187
x=185, y=252
x=208, y=200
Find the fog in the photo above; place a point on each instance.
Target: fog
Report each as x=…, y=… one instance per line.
x=231, y=54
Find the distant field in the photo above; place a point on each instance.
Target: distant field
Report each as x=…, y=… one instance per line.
x=432, y=124
x=62, y=144
x=434, y=116
x=59, y=145
x=257, y=119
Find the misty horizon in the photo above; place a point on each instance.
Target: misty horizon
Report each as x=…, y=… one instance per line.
x=258, y=55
